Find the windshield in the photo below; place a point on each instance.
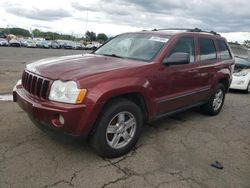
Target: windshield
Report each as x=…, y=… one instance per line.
x=142, y=47
x=242, y=62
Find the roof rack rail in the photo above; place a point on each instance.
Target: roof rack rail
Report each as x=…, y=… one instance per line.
x=188, y=30
x=181, y=29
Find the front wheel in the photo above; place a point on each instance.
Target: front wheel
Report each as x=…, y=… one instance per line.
x=216, y=101
x=118, y=129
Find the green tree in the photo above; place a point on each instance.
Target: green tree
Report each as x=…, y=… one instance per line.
x=52, y=35
x=90, y=36
x=18, y=32
x=37, y=33
x=102, y=37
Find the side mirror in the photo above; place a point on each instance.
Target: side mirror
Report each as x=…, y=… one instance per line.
x=177, y=58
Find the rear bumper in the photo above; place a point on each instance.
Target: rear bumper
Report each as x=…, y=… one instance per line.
x=239, y=83
x=45, y=114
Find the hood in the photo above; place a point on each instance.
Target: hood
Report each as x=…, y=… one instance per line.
x=79, y=66
x=240, y=67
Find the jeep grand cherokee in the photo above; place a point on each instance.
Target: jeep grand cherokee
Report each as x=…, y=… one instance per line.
x=107, y=96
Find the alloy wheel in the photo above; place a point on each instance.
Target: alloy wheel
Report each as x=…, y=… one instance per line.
x=218, y=100
x=121, y=130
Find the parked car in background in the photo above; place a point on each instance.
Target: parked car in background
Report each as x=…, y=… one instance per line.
x=49, y=43
x=78, y=46
x=44, y=44
x=30, y=44
x=61, y=43
x=97, y=44
x=14, y=43
x=3, y=42
x=134, y=78
x=68, y=45
x=23, y=42
x=241, y=75
x=55, y=45
x=239, y=50
x=38, y=43
x=90, y=47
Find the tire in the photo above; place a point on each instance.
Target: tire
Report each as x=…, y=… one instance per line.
x=248, y=88
x=117, y=129
x=216, y=101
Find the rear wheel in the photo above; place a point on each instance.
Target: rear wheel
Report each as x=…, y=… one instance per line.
x=118, y=129
x=216, y=101
x=248, y=88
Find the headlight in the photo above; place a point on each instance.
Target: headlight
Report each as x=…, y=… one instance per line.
x=241, y=73
x=66, y=92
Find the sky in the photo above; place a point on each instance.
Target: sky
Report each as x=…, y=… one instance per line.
x=231, y=18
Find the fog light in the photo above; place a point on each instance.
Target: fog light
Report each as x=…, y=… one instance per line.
x=61, y=119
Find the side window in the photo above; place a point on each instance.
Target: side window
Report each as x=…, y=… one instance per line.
x=186, y=45
x=224, y=52
x=207, y=49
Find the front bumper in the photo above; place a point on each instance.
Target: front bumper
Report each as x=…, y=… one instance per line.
x=239, y=83
x=46, y=114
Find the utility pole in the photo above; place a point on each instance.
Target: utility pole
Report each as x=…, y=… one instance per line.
x=86, y=24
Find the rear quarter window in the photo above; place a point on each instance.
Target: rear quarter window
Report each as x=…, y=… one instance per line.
x=224, y=51
x=207, y=49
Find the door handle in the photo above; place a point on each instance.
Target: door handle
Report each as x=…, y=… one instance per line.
x=210, y=74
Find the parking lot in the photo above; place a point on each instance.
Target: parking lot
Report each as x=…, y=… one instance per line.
x=176, y=151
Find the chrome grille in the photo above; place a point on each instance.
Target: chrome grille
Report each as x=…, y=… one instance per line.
x=35, y=85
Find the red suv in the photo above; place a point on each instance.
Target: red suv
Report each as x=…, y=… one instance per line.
x=107, y=96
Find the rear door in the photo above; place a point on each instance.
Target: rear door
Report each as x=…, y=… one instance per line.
x=208, y=59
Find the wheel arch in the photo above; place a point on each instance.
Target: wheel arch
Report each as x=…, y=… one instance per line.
x=134, y=96
x=225, y=81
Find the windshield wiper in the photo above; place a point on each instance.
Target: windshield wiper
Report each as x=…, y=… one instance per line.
x=112, y=55
x=240, y=57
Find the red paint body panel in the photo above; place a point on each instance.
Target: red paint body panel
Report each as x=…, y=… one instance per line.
x=48, y=112
x=163, y=88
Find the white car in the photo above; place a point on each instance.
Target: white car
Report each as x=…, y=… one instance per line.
x=30, y=44
x=241, y=75
x=90, y=47
x=15, y=43
x=3, y=42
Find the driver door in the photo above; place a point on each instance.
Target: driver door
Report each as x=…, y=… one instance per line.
x=180, y=82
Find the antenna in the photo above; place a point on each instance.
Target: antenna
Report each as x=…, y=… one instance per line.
x=87, y=19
